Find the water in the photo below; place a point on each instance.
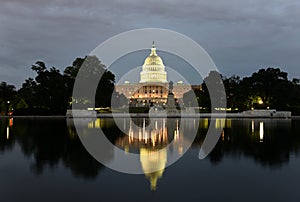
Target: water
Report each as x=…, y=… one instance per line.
x=254, y=160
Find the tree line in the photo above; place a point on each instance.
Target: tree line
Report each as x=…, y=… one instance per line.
x=267, y=88
x=50, y=92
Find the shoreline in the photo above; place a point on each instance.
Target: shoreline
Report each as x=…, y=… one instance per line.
x=146, y=115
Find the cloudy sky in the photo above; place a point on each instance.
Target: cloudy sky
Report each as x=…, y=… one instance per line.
x=240, y=35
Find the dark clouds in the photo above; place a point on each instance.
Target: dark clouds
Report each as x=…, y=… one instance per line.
x=241, y=36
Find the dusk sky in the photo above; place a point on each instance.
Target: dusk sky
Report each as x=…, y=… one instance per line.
x=241, y=36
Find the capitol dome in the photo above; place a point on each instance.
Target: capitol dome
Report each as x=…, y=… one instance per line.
x=153, y=59
x=153, y=69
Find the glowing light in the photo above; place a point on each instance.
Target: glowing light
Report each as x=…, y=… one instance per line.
x=144, y=128
x=126, y=149
x=10, y=122
x=228, y=123
x=91, y=124
x=219, y=123
x=260, y=101
x=252, y=126
x=7, y=132
x=175, y=135
x=97, y=123
x=261, y=131
x=220, y=109
x=205, y=123
x=124, y=124
x=223, y=135
x=140, y=135
x=180, y=150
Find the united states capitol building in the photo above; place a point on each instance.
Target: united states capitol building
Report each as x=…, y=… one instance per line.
x=153, y=87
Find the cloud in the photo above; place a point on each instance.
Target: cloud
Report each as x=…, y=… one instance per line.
x=241, y=36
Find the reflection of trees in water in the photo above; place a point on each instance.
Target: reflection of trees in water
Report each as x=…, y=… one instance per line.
x=47, y=140
x=52, y=143
x=243, y=138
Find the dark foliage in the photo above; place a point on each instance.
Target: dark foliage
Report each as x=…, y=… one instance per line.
x=267, y=88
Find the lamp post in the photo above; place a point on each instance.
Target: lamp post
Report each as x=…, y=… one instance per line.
x=8, y=112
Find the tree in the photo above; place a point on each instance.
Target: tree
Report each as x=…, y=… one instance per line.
x=233, y=94
x=7, y=97
x=50, y=92
x=7, y=91
x=92, y=68
x=272, y=86
x=211, y=87
x=28, y=92
x=118, y=100
x=214, y=88
x=22, y=104
x=47, y=93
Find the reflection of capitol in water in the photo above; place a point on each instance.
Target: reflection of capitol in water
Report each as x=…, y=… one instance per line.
x=150, y=142
x=152, y=159
x=150, y=139
x=140, y=135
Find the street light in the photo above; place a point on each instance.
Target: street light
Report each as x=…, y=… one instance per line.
x=8, y=111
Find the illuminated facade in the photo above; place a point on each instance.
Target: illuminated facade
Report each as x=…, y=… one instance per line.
x=152, y=89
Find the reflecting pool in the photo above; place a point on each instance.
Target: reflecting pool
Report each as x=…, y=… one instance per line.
x=43, y=159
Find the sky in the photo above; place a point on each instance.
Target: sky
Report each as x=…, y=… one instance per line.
x=241, y=36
